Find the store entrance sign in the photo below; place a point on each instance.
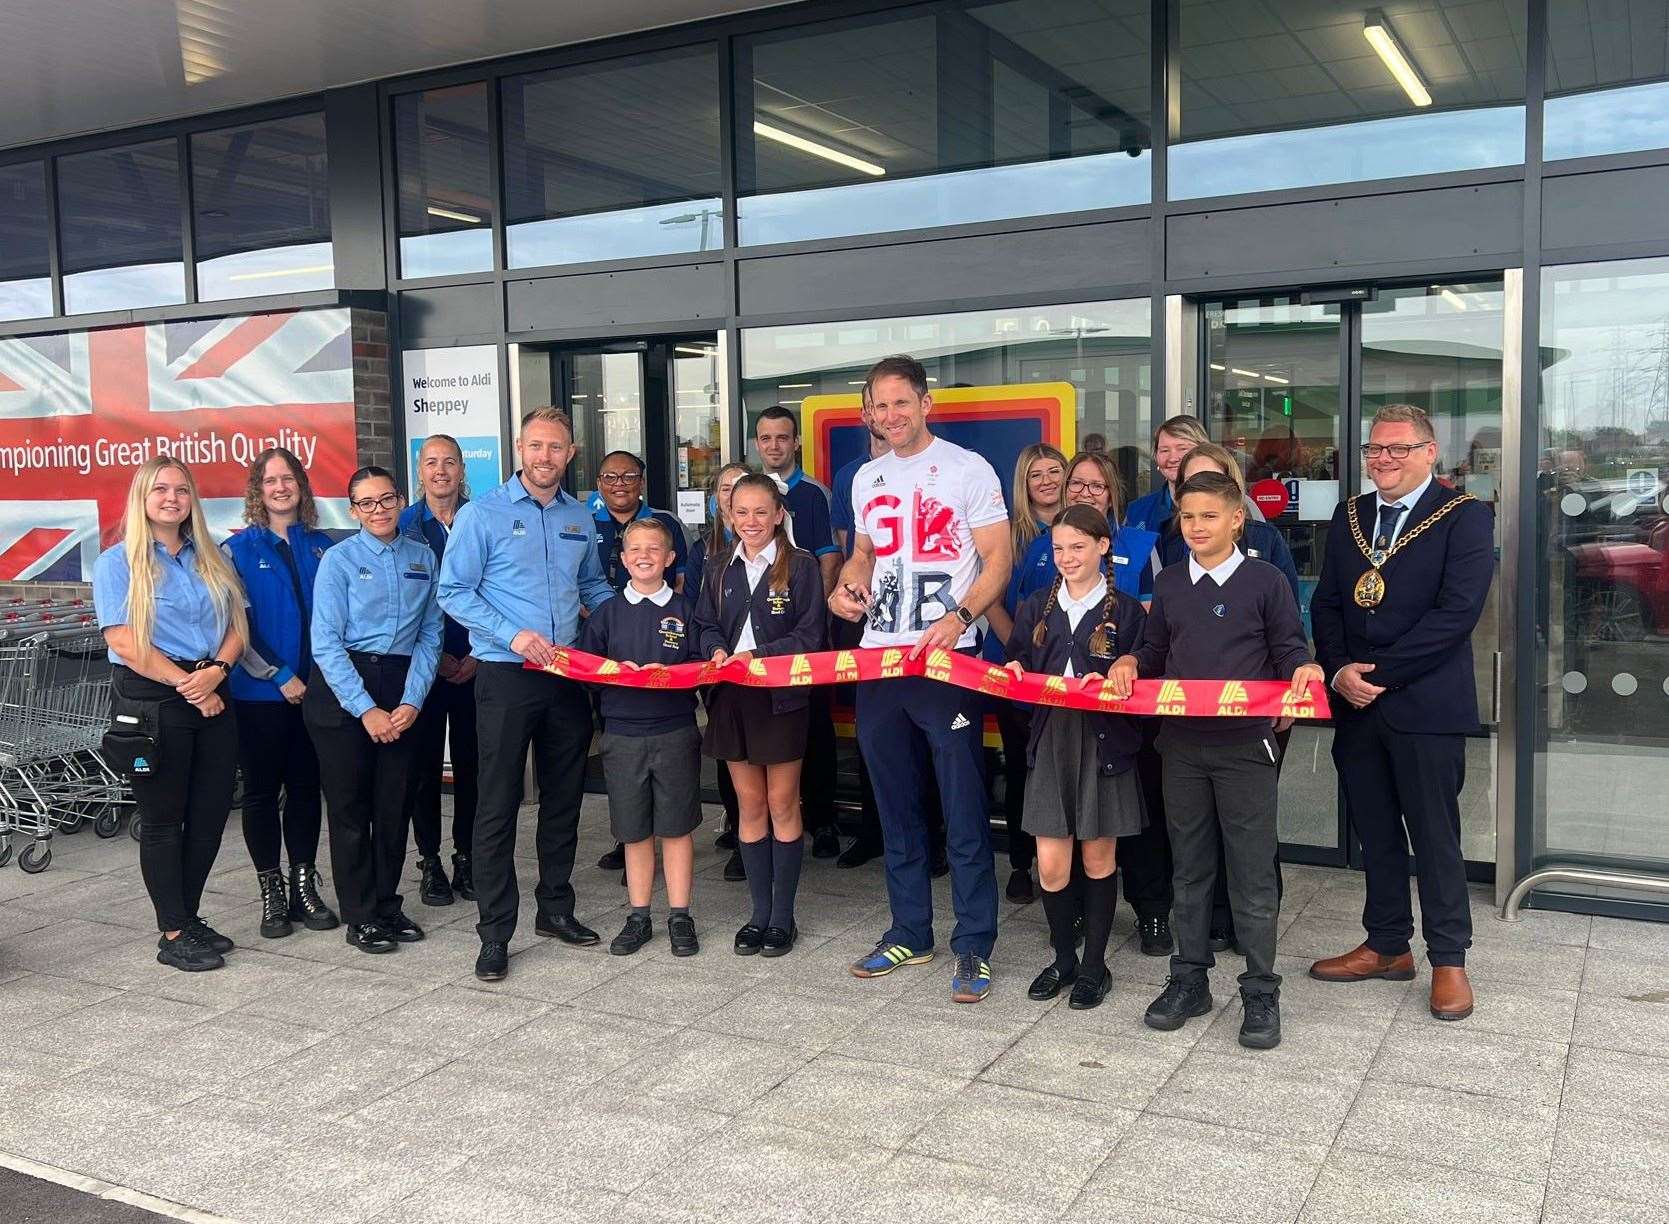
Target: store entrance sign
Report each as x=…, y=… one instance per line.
x=455, y=391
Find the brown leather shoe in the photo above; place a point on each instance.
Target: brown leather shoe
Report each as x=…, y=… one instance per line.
x=1362, y=963
x=1451, y=992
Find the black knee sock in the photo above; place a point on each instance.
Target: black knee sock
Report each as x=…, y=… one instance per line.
x=1061, y=908
x=786, y=857
x=1100, y=897
x=756, y=860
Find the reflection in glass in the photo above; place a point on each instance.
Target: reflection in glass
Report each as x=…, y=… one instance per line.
x=605, y=400
x=951, y=113
x=260, y=195
x=25, y=234
x=613, y=160
x=1296, y=95
x=119, y=228
x=695, y=399
x=441, y=157
x=1606, y=70
x=1602, y=605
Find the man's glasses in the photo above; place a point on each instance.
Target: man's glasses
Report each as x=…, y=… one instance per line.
x=386, y=502
x=1397, y=450
x=1086, y=486
x=619, y=478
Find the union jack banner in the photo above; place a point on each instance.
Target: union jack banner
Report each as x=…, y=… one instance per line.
x=79, y=411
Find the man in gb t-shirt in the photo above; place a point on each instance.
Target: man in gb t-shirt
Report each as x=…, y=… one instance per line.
x=931, y=553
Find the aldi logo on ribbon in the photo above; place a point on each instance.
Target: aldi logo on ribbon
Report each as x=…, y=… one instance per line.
x=1173, y=698
x=1232, y=699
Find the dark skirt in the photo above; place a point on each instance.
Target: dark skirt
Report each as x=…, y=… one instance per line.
x=742, y=727
x=1067, y=795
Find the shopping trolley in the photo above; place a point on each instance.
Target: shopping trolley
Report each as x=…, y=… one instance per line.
x=54, y=709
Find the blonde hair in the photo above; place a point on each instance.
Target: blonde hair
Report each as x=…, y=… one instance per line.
x=1407, y=414
x=1186, y=428
x=1022, y=522
x=138, y=542
x=717, y=545
x=551, y=416
x=1219, y=456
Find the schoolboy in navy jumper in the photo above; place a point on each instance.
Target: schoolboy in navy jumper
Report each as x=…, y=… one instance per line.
x=1220, y=615
x=651, y=749
x=1082, y=787
x=767, y=599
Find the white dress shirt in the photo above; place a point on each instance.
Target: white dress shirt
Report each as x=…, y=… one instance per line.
x=1407, y=503
x=753, y=571
x=658, y=598
x=1075, y=609
x=1219, y=573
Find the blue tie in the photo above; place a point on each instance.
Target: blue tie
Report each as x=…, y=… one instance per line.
x=1388, y=516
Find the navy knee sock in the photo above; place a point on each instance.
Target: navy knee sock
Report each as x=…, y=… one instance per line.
x=786, y=857
x=1061, y=908
x=756, y=860
x=1100, y=897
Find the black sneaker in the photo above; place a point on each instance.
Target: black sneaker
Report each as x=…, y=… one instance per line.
x=857, y=854
x=614, y=860
x=187, y=953
x=726, y=840
x=637, y=932
x=749, y=940
x=435, y=888
x=207, y=934
x=1088, y=992
x=493, y=965
x=1019, y=888
x=1155, y=935
x=680, y=931
x=463, y=877
x=733, y=869
x=1182, y=1000
x=778, y=942
x=825, y=843
x=368, y=937
x=401, y=928
x=1222, y=939
x=1260, y=1025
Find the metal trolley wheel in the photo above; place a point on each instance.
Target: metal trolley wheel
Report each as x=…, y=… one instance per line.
x=35, y=858
x=133, y=826
x=108, y=822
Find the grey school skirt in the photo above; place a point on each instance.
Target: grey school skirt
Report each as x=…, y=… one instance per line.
x=1067, y=795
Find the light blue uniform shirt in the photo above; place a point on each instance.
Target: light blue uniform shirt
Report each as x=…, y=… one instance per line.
x=187, y=625
x=379, y=599
x=512, y=564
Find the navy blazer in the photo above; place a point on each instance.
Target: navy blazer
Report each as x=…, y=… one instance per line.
x=1419, y=639
x=784, y=622
x=1117, y=736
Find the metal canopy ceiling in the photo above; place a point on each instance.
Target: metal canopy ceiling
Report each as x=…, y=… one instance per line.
x=69, y=67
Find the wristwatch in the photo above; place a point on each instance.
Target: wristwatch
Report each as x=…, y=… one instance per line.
x=965, y=616
x=222, y=664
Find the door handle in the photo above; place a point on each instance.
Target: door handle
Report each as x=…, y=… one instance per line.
x=1495, y=688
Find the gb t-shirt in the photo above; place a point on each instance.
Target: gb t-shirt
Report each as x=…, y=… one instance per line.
x=920, y=514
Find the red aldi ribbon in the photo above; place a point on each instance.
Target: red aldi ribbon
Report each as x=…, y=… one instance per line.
x=1189, y=698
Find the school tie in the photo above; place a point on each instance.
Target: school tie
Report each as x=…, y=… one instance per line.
x=1388, y=516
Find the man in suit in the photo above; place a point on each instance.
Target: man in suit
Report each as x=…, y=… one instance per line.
x=1403, y=582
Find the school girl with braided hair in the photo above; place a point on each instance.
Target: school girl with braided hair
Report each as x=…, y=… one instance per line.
x=1082, y=788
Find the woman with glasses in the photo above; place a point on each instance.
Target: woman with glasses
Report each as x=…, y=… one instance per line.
x=171, y=609
x=1037, y=495
x=376, y=641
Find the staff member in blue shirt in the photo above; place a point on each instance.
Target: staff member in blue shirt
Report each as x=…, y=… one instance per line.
x=376, y=639
x=519, y=565
x=172, y=614
x=1153, y=511
x=277, y=556
x=440, y=473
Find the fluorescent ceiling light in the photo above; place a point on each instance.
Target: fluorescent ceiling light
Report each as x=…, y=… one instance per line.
x=1217, y=365
x=1451, y=297
x=1275, y=379
x=1378, y=33
x=310, y=270
x=792, y=386
x=1243, y=373
x=435, y=210
x=692, y=350
x=826, y=152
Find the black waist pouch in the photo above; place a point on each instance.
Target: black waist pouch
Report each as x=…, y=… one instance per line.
x=133, y=744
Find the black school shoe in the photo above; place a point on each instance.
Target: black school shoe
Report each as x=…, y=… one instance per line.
x=567, y=929
x=207, y=934
x=1222, y=939
x=637, y=932
x=778, y=942
x=614, y=860
x=1155, y=935
x=463, y=877
x=1050, y=983
x=369, y=937
x=187, y=953
x=401, y=928
x=1019, y=888
x=733, y=868
x=749, y=940
x=680, y=932
x=1088, y=992
x=434, y=888
x=1260, y=1025
x=825, y=843
x=493, y=965
x=1181, y=1001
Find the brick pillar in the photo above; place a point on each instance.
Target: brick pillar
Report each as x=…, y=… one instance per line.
x=373, y=400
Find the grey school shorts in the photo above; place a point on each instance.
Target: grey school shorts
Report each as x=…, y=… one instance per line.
x=654, y=783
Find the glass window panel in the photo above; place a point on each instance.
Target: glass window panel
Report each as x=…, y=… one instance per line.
x=1607, y=77
x=1278, y=94
x=947, y=114
x=261, y=199
x=605, y=397
x=446, y=199
x=25, y=238
x=1602, y=581
x=613, y=160
x=119, y=228
x=696, y=401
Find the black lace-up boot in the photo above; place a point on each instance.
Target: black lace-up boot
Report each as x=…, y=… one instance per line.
x=435, y=888
x=306, y=906
x=463, y=878
x=275, y=906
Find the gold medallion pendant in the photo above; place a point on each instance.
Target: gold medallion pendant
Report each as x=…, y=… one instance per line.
x=1370, y=589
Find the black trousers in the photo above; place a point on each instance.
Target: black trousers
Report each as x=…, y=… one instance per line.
x=1402, y=787
x=1223, y=792
x=1014, y=720
x=515, y=709
x=454, y=705
x=1222, y=919
x=1144, y=859
x=278, y=763
x=365, y=786
x=183, y=804
x=817, y=770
